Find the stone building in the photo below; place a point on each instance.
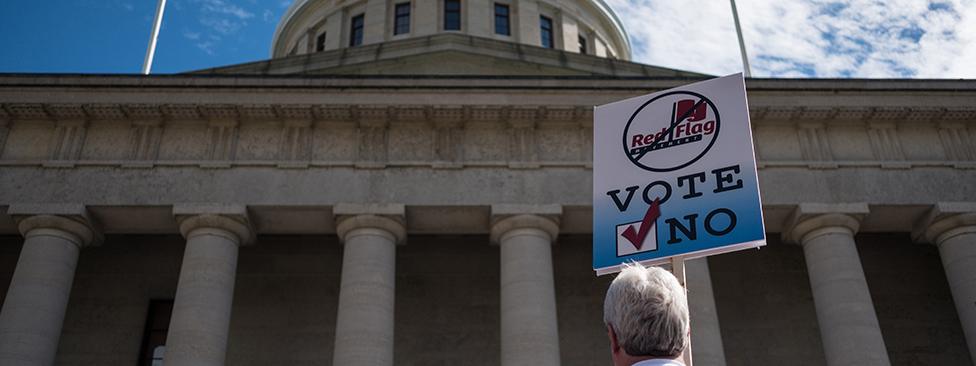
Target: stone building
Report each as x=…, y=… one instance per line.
x=409, y=183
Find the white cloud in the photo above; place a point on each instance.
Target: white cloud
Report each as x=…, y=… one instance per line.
x=821, y=38
x=191, y=35
x=222, y=25
x=696, y=35
x=207, y=46
x=219, y=18
x=222, y=7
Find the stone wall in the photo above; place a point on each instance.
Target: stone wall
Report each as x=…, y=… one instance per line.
x=579, y=303
x=447, y=301
x=285, y=301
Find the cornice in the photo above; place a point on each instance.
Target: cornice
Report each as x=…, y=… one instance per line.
x=271, y=112
x=866, y=114
x=442, y=113
x=790, y=87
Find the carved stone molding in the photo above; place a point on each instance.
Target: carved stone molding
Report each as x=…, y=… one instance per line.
x=294, y=113
x=232, y=220
x=506, y=218
x=26, y=111
x=374, y=113
x=886, y=145
x=866, y=114
x=815, y=146
x=813, y=114
x=372, y=143
x=66, y=143
x=513, y=135
x=812, y=219
x=144, y=141
x=958, y=144
x=219, y=112
x=71, y=221
x=334, y=113
x=395, y=112
x=943, y=220
x=522, y=147
x=448, y=144
x=295, y=144
x=4, y=132
x=586, y=144
x=389, y=218
x=449, y=114
x=143, y=112
x=181, y=112
x=222, y=143
x=415, y=113
x=66, y=111
x=112, y=112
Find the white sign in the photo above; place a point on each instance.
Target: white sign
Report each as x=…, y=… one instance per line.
x=674, y=175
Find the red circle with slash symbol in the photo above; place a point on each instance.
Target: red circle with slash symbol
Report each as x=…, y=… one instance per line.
x=671, y=131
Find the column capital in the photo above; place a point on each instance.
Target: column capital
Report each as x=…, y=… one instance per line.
x=945, y=220
x=814, y=219
x=388, y=217
x=508, y=217
x=70, y=221
x=228, y=218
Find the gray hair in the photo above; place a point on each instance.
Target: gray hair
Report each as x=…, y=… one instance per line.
x=648, y=310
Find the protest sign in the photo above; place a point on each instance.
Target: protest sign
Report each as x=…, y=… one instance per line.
x=674, y=175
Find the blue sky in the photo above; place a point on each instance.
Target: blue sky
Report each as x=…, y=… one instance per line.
x=784, y=38
x=110, y=36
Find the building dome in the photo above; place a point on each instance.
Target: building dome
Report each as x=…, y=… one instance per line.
x=580, y=26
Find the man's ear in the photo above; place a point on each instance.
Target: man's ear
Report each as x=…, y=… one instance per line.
x=614, y=345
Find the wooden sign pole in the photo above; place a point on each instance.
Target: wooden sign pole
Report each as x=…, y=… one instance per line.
x=678, y=269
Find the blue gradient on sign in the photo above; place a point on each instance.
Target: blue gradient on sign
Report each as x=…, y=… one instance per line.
x=744, y=202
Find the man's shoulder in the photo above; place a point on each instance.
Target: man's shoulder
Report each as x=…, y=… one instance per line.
x=658, y=362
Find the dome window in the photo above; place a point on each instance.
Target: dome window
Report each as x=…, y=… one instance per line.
x=502, y=25
x=452, y=15
x=401, y=21
x=320, y=43
x=356, y=30
x=545, y=28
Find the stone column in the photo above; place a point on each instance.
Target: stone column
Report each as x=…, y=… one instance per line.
x=952, y=227
x=33, y=311
x=706, y=335
x=201, y=311
x=364, y=325
x=529, y=334
x=848, y=324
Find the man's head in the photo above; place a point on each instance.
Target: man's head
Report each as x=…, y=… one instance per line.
x=646, y=313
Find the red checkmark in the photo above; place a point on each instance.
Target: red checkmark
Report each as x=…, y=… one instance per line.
x=636, y=237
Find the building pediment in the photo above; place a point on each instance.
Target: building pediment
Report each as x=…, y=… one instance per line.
x=448, y=54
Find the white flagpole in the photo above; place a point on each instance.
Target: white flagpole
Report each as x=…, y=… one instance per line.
x=742, y=44
x=151, y=51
